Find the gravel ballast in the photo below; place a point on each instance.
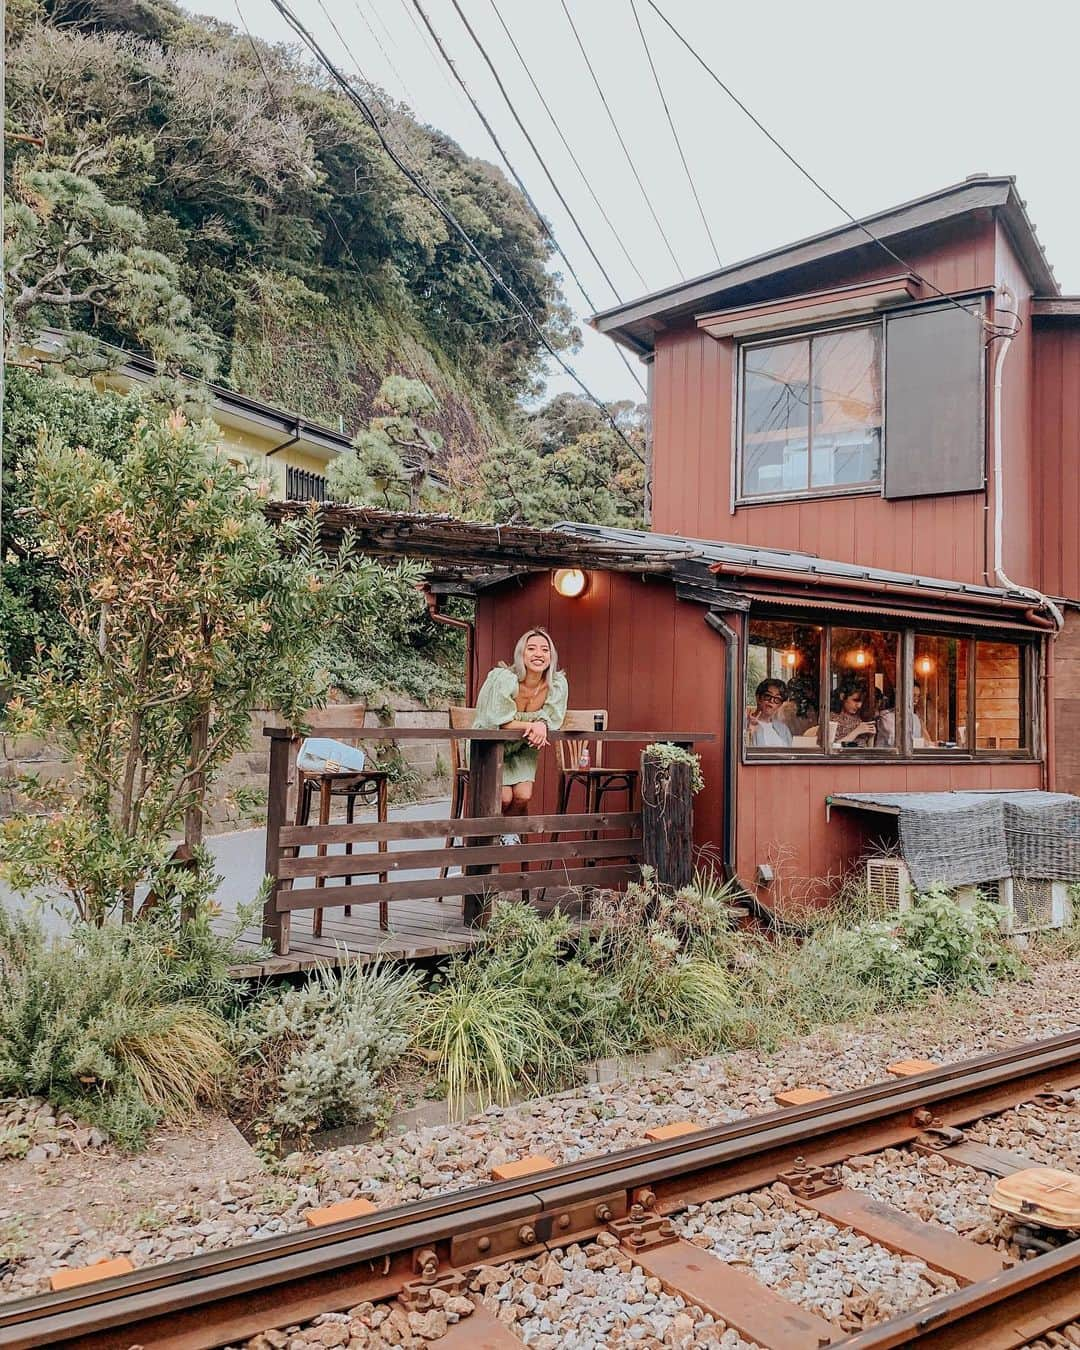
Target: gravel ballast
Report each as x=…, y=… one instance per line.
x=202, y=1189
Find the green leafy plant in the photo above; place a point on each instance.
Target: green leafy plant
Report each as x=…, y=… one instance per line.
x=182, y=610
x=961, y=947
x=664, y=754
x=93, y=1023
x=317, y=1057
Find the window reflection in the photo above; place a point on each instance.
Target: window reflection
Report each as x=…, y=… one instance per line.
x=939, y=693
x=783, y=679
x=811, y=412
x=862, y=690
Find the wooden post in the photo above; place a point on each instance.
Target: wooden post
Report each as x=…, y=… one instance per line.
x=276, y=923
x=485, y=799
x=667, y=821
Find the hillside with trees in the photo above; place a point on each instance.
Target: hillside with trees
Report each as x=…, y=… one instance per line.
x=181, y=189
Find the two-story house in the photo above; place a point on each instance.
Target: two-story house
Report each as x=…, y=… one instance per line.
x=864, y=459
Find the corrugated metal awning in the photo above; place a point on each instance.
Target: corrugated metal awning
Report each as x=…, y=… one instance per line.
x=886, y=611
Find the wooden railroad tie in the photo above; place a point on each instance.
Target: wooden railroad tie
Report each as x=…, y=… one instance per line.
x=907, y=1068
x=344, y=1209
x=522, y=1167
x=72, y=1276
x=800, y=1096
x=675, y=1130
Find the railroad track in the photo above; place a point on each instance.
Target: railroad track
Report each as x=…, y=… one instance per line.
x=407, y=1252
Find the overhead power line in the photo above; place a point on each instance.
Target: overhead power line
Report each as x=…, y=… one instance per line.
x=996, y=329
x=674, y=132
x=517, y=177
x=425, y=191
x=567, y=146
x=619, y=137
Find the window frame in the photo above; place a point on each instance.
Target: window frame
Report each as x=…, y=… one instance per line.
x=875, y=489
x=904, y=752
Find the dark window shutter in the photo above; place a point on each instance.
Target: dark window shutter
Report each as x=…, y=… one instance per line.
x=934, y=402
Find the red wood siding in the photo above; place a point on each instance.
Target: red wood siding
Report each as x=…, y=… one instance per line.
x=627, y=645
x=1056, y=452
x=781, y=818
x=693, y=430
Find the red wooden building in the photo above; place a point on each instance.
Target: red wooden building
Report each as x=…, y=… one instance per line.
x=864, y=489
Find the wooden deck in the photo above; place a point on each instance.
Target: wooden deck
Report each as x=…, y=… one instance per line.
x=418, y=929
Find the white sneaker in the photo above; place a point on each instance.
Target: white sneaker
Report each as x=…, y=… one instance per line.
x=510, y=839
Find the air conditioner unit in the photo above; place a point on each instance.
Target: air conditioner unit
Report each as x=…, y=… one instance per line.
x=1032, y=904
x=888, y=886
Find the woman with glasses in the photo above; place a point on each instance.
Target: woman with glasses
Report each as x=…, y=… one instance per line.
x=764, y=728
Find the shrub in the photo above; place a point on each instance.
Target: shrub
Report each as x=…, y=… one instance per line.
x=487, y=1036
x=318, y=1056
x=94, y=1024
x=962, y=948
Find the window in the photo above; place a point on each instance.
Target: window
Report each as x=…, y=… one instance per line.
x=783, y=683
x=811, y=413
x=939, y=693
x=999, y=696
x=862, y=690
x=846, y=691
x=302, y=486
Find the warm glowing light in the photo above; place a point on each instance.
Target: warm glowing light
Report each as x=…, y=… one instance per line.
x=924, y=665
x=570, y=582
x=790, y=658
x=860, y=657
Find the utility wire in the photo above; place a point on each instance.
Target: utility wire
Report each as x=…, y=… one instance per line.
x=674, y=132
x=567, y=146
x=544, y=226
x=421, y=186
x=517, y=177
x=619, y=137
x=996, y=329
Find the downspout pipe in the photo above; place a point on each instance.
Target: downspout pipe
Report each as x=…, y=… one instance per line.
x=284, y=444
x=1000, y=575
x=731, y=716
x=729, y=826
x=467, y=627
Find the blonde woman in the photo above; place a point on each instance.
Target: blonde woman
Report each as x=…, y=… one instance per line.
x=529, y=696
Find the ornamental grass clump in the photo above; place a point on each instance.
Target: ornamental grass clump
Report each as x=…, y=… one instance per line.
x=93, y=1023
x=319, y=1056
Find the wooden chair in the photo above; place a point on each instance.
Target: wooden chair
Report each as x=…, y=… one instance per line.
x=461, y=719
x=370, y=788
x=596, y=781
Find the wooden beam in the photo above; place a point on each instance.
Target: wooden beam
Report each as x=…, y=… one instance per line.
x=421, y=859
x=461, y=828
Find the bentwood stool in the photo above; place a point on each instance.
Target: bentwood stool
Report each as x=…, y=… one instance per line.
x=596, y=781
x=461, y=719
x=369, y=788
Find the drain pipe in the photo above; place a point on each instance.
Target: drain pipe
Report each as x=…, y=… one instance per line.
x=1000, y=575
x=467, y=627
x=731, y=714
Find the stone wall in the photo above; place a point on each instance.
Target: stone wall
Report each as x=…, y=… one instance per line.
x=248, y=770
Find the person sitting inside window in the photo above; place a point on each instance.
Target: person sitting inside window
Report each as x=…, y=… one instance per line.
x=847, y=726
x=764, y=728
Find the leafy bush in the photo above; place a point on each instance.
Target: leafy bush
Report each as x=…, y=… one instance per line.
x=665, y=754
x=100, y=1024
x=962, y=948
x=317, y=1057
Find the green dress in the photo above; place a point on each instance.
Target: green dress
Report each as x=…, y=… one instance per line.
x=496, y=705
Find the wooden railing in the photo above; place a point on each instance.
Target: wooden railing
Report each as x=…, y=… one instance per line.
x=607, y=850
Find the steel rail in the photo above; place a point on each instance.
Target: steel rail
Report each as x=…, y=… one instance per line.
x=211, y=1299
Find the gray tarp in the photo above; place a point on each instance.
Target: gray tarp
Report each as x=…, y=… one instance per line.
x=964, y=838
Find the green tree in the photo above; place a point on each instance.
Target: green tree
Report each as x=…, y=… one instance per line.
x=183, y=610
x=73, y=259
x=395, y=454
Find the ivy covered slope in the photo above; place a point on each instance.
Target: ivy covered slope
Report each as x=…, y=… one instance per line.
x=237, y=183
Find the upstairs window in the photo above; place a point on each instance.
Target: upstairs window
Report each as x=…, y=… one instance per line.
x=811, y=413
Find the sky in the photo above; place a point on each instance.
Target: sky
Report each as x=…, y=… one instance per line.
x=881, y=103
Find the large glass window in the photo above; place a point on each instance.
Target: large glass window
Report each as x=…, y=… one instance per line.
x=999, y=696
x=939, y=693
x=783, y=684
x=840, y=690
x=863, y=666
x=811, y=413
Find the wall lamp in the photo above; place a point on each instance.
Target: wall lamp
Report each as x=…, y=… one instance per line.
x=570, y=582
